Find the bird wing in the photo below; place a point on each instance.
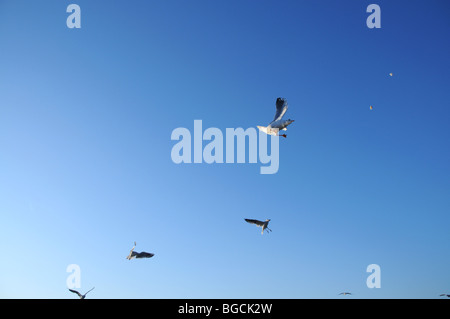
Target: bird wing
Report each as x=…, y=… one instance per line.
x=144, y=255
x=282, y=107
x=132, y=253
x=75, y=292
x=254, y=221
x=89, y=290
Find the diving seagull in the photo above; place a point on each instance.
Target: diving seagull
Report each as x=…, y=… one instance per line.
x=80, y=295
x=134, y=254
x=278, y=124
x=260, y=224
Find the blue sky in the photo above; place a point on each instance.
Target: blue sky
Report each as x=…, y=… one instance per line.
x=86, y=117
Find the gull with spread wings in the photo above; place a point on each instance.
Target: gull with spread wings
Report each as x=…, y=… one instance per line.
x=259, y=223
x=79, y=294
x=278, y=124
x=134, y=254
x=346, y=293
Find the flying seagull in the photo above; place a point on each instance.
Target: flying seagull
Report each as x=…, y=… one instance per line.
x=278, y=124
x=134, y=254
x=80, y=295
x=444, y=295
x=260, y=224
x=345, y=293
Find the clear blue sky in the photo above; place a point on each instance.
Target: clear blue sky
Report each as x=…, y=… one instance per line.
x=86, y=117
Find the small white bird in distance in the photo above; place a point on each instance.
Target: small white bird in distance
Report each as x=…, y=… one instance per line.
x=277, y=124
x=346, y=293
x=134, y=254
x=80, y=295
x=259, y=223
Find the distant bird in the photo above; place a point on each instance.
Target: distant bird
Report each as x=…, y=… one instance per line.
x=371, y=107
x=391, y=74
x=345, y=293
x=260, y=224
x=80, y=295
x=444, y=295
x=134, y=254
x=277, y=124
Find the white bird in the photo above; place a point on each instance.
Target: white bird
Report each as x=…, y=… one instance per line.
x=80, y=295
x=134, y=254
x=260, y=224
x=278, y=124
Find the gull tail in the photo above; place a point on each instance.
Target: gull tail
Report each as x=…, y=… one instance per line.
x=262, y=128
x=268, y=130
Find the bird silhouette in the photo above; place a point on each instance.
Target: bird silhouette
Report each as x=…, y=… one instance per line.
x=79, y=294
x=134, y=254
x=259, y=223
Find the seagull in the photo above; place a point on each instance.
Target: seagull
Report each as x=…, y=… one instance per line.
x=278, y=124
x=134, y=254
x=80, y=295
x=260, y=224
x=345, y=293
x=444, y=295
